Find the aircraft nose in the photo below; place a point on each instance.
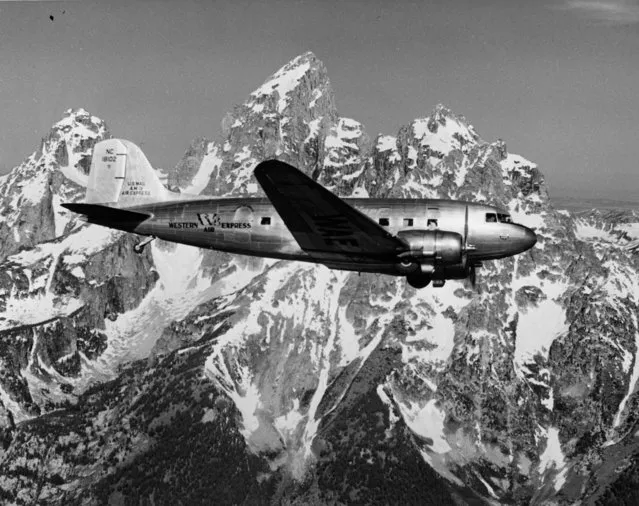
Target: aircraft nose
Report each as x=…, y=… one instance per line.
x=526, y=239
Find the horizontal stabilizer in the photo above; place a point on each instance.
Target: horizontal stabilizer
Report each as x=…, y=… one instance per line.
x=109, y=216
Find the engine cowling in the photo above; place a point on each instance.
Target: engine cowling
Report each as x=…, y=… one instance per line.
x=432, y=246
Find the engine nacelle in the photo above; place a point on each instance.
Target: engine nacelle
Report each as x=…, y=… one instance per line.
x=457, y=271
x=433, y=247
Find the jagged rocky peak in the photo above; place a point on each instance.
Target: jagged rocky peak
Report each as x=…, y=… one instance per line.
x=30, y=195
x=74, y=119
x=288, y=117
x=448, y=129
x=300, y=85
x=70, y=142
x=186, y=169
x=441, y=155
x=521, y=390
x=609, y=229
x=502, y=149
x=67, y=149
x=292, y=117
x=63, y=284
x=344, y=153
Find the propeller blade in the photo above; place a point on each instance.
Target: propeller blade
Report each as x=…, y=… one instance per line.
x=466, y=229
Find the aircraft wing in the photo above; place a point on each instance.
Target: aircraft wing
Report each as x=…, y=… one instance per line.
x=323, y=224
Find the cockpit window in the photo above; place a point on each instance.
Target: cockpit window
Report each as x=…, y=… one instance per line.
x=504, y=218
x=491, y=218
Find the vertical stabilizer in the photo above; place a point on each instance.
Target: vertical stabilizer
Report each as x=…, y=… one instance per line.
x=120, y=173
x=108, y=168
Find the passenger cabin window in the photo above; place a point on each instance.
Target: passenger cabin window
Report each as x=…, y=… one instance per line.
x=431, y=224
x=383, y=222
x=408, y=222
x=504, y=218
x=491, y=218
x=266, y=220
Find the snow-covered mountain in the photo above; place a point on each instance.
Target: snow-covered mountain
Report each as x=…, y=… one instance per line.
x=201, y=377
x=31, y=193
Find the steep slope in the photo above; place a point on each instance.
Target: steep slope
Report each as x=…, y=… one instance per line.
x=604, y=228
x=78, y=304
x=308, y=385
x=60, y=280
x=30, y=194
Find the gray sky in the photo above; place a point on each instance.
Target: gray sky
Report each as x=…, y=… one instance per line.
x=557, y=79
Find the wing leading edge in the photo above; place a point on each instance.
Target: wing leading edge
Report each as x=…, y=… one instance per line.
x=324, y=225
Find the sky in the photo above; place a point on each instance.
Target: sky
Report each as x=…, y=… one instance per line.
x=556, y=79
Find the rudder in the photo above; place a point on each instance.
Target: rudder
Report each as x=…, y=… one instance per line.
x=120, y=173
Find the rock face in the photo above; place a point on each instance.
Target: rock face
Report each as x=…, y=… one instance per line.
x=281, y=382
x=30, y=194
x=61, y=282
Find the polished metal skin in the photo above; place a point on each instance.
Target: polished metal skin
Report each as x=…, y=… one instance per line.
x=422, y=239
x=220, y=224
x=251, y=226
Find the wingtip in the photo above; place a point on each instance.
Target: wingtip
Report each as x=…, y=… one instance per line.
x=76, y=207
x=267, y=165
x=260, y=168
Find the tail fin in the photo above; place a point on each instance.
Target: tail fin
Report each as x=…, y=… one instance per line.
x=121, y=174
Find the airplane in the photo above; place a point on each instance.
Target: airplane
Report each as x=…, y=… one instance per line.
x=423, y=240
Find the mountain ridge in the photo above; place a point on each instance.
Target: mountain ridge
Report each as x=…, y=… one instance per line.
x=317, y=385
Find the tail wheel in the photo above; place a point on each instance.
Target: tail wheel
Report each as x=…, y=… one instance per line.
x=139, y=247
x=418, y=280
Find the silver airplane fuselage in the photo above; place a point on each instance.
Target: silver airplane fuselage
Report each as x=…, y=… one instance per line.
x=252, y=226
x=422, y=239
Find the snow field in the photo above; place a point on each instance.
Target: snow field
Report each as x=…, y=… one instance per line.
x=210, y=164
x=552, y=458
x=284, y=81
x=179, y=289
x=537, y=328
x=426, y=421
x=632, y=384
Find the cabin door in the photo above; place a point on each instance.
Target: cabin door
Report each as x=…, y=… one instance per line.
x=242, y=224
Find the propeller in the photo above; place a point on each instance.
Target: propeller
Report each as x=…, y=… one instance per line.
x=466, y=230
x=472, y=271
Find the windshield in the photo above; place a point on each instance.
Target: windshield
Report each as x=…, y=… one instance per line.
x=498, y=217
